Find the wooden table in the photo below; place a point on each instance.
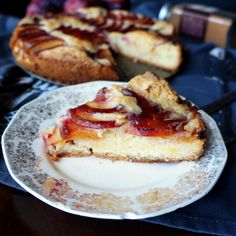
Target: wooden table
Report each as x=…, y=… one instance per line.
x=23, y=214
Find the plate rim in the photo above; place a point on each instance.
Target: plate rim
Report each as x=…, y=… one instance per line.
x=118, y=216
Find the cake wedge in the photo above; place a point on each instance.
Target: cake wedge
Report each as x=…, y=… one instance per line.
x=141, y=121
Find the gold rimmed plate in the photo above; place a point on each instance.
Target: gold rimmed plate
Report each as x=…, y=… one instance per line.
x=100, y=188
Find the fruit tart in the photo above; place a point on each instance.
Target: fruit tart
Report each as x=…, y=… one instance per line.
x=78, y=47
x=141, y=121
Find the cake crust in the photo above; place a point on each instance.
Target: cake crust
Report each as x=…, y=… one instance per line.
x=72, y=70
x=122, y=158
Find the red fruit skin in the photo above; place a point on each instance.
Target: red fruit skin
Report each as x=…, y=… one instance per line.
x=73, y=114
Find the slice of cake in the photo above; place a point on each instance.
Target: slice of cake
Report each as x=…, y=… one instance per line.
x=142, y=121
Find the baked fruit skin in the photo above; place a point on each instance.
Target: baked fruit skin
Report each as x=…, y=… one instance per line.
x=78, y=46
x=141, y=121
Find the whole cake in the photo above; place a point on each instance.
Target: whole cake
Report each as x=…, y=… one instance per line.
x=142, y=121
x=78, y=47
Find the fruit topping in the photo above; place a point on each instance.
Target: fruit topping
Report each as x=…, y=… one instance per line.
x=99, y=114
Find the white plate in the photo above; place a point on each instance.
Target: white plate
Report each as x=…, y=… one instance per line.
x=101, y=188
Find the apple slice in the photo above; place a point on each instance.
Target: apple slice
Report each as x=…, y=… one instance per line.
x=71, y=131
x=90, y=120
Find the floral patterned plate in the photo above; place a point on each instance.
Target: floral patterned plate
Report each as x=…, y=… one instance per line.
x=97, y=187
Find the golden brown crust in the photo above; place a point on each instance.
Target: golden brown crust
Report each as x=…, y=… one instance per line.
x=66, y=71
x=127, y=158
